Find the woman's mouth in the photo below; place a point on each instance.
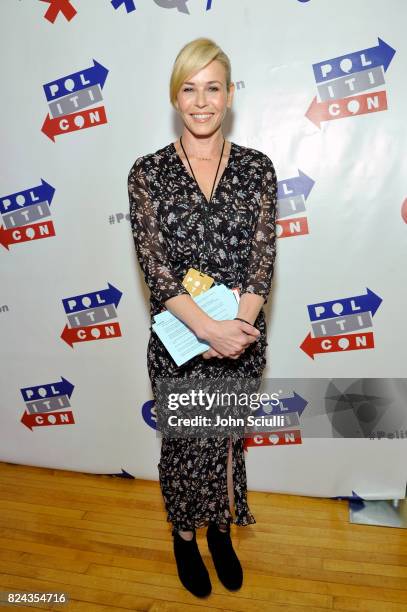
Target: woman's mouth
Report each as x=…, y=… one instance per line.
x=201, y=117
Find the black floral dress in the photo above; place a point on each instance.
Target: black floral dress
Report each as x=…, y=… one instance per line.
x=170, y=219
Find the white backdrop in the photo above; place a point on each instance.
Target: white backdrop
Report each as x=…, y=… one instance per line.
x=75, y=400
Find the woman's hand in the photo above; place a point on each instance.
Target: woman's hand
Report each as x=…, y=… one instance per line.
x=229, y=339
x=212, y=353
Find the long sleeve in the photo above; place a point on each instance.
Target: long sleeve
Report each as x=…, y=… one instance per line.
x=148, y=239
x=263, y=252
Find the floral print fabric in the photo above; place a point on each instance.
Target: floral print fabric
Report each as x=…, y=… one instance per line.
x=233, y=237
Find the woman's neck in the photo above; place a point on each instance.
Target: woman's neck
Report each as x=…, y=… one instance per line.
x=203, y=147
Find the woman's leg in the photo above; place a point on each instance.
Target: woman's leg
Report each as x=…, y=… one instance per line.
x=229, y=472
x=227, y=564
x=186, y=535
x=230, y=477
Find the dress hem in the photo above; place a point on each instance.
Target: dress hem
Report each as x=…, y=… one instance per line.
x=205, y=522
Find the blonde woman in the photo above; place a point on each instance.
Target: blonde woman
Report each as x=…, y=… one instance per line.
x=210, y=204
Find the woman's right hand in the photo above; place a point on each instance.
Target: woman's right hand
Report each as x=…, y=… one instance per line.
x=212, y=353
x=231, y=338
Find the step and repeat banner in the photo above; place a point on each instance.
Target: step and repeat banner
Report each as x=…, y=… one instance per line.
x=321, y=89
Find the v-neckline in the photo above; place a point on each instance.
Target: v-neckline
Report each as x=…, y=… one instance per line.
x=231, y=151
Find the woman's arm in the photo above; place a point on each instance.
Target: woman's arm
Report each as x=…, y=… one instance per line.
x=259, y=274
x=249, y=306
x=149, y=241
x=260, y=269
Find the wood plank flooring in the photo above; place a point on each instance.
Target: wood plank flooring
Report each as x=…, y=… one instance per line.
x=105, y=541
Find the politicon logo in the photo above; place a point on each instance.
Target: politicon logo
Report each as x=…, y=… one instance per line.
x=26, y=215
x=69, y=98
x=341, y=79
x=48, y=404
x=337, y=325
x=291, y=407
x=292, y=197
x=91, y=316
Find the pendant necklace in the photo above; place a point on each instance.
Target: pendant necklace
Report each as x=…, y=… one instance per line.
x=203, y=245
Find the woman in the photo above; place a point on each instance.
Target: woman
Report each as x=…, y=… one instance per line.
x=210, y=204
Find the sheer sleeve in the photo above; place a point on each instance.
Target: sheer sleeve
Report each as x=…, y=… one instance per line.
x=263, y=252
x=148, y=239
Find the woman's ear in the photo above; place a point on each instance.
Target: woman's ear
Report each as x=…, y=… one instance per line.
x=230, y=94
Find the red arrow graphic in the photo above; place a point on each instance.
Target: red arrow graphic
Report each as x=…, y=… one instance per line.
x=25, y=233
x=337, y=344
x=89, y=333
x=346, y=107
x=91, y=117
x=47, y=419
x=297, y=226
x=274, y=438
x=59, y=6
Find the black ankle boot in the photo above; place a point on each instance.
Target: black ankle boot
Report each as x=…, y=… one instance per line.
x=225, y=560
x=191, y=568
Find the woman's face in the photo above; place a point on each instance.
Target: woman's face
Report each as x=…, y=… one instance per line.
x=203, y=99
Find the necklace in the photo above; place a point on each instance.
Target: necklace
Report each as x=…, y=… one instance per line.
x=197, y=156
x=203, y=245
x=193, y=174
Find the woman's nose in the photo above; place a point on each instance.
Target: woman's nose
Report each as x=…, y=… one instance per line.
x=200, y=99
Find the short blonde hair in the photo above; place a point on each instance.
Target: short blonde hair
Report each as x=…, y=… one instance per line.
x=194, y=56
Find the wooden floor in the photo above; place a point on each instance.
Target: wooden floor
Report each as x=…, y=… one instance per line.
x=105, y=541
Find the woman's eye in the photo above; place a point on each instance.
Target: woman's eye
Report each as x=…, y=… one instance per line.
x=212, y=88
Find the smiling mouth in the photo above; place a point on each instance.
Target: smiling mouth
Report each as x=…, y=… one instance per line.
x=201, y=116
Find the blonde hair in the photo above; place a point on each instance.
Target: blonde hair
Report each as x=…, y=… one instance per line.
x=194, y=56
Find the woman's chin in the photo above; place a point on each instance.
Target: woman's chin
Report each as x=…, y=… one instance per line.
x=202, y=130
